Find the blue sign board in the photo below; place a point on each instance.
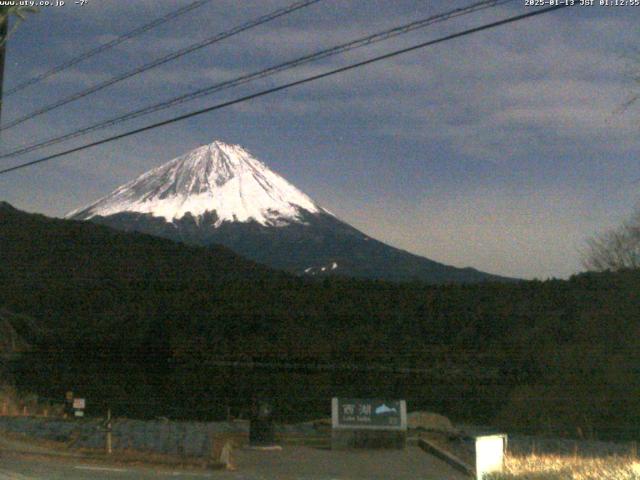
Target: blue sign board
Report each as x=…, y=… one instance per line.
x=354, y=413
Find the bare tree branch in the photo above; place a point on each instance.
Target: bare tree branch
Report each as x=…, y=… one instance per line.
x=19, y=12
x=616, y=249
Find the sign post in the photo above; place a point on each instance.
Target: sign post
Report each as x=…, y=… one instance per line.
x=368, y=423
x=108, y=429
x=79, y=405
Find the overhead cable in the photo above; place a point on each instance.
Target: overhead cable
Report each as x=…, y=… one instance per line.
x=243, y=79
x=161, y=61
x=303, y=81
x=106, y=46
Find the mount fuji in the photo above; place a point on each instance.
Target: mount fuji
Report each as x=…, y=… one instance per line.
x=221, y=194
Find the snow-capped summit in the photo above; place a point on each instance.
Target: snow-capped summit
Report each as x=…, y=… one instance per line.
x=220, y=178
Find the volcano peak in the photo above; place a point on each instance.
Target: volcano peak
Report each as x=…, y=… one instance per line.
x=218, y=178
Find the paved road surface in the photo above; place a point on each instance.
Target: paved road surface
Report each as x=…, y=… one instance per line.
x=29, y=469
x=300, y=463
x=292, y=463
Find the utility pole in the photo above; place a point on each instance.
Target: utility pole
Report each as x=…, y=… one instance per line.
x=108, y=430
x=4, y=28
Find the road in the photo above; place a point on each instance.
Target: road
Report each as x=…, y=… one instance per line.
x=37, y=469
x=292, y=463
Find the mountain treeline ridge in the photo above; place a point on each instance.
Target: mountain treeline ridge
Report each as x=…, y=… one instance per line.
x=149, y=327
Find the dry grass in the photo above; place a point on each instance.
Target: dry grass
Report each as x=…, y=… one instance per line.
x=556, y=467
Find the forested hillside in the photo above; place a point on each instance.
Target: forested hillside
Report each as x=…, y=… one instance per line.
x=150, y=327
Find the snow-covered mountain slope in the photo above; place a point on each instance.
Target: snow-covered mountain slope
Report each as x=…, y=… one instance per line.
x=220, y=194
x=220, y=178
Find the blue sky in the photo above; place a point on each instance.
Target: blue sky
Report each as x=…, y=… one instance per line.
x=503, y=150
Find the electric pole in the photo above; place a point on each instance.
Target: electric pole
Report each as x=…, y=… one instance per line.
x=4, y=27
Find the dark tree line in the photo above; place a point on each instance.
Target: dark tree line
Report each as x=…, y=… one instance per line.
x=148, y=327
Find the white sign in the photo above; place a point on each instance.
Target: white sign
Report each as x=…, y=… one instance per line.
x=489, y=454
x=79, y=403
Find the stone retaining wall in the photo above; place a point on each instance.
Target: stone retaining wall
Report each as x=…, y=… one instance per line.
x=191, y=439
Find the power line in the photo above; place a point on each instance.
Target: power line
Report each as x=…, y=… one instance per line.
x=289, y=85
x=162, y=60
x=106, y=46
x=335, y=50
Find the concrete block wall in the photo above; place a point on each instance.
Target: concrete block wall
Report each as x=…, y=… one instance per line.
x=193, y=439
